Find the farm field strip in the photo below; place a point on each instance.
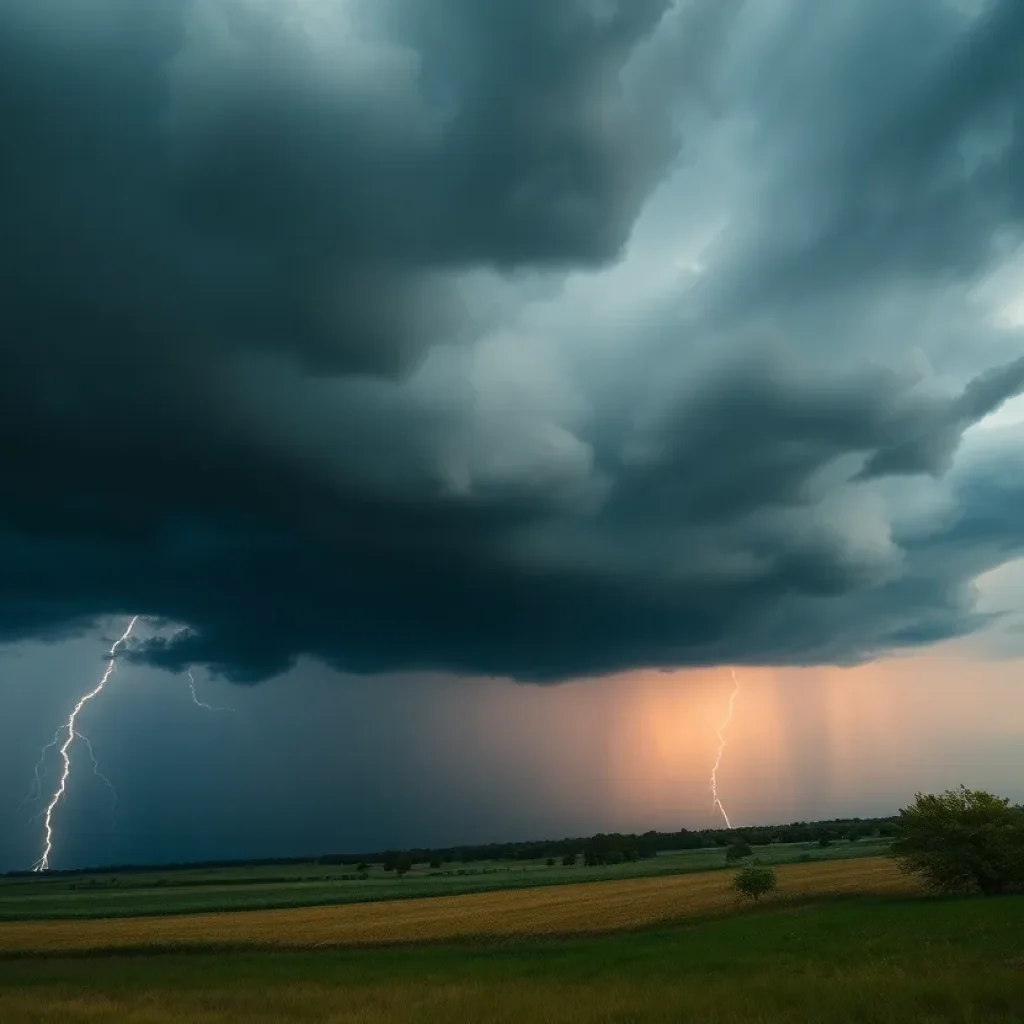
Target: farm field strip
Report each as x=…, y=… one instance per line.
x=569, y=909
x=146, y=893
x=849, y=961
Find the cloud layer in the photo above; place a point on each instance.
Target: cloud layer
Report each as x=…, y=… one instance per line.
x=535, y=338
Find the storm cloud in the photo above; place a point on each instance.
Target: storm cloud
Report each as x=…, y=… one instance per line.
x=538, y=338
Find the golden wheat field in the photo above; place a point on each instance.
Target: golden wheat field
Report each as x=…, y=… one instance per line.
x=563, y=910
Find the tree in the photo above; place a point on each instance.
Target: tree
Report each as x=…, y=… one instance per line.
x=738, y=851
x=435, y=862
x=824, y=840
x=402, y=864
x=754, y=882
x=569, y=860
x=962, y=840
x=551, y=862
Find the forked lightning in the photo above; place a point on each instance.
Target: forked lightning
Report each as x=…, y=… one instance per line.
x=716, y=804
x=195, y=699
x=43, y=864
x=70, y=733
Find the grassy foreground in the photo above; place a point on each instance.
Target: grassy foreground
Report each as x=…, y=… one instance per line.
x=871, y=962
x=562, y=910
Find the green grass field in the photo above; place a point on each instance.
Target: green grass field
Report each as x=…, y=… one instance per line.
x=865, y=960
x=301, y=885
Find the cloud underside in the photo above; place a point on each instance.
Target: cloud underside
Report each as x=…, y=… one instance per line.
x=538, y=338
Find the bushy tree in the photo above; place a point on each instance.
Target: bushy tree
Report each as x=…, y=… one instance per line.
x=569, y=860
x=963, y=840
x=754, y=882
x=738, y=851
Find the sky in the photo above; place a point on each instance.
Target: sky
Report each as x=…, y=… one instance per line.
x=461, y=390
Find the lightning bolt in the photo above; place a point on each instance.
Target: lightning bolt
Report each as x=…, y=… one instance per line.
x=716, y=804
x=99, y=775
x=40, y=773
x=43, y=864
x=195, y=699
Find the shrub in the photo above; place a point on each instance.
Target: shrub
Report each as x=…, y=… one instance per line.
x=738, y=851
x=963, y=840
x=754, y=882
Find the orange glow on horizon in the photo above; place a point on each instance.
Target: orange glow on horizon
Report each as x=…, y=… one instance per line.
x=805, y=738
x=636, y=750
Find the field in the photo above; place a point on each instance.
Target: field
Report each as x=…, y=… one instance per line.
x=307, y=885
x=580, y=909
x=842, y=962
x=843, y=941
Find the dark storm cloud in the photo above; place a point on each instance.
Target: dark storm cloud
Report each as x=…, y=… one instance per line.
x=929, y=445
x=251, y=379
x=904, y=162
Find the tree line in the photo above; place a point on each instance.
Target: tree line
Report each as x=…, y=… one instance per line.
x=602, y=848
x=619, y=847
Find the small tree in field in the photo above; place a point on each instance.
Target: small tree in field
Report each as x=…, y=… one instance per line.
x=754, y=882
x=963, y=840
x=738, y=851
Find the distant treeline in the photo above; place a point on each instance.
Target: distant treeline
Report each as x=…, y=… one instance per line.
x=603, y=848
x=616, y=847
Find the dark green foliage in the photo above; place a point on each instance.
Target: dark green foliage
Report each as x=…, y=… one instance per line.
x=615, y=848
x=738, y=851
x=569, y=860
x=754, y=882
x=963, y=840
